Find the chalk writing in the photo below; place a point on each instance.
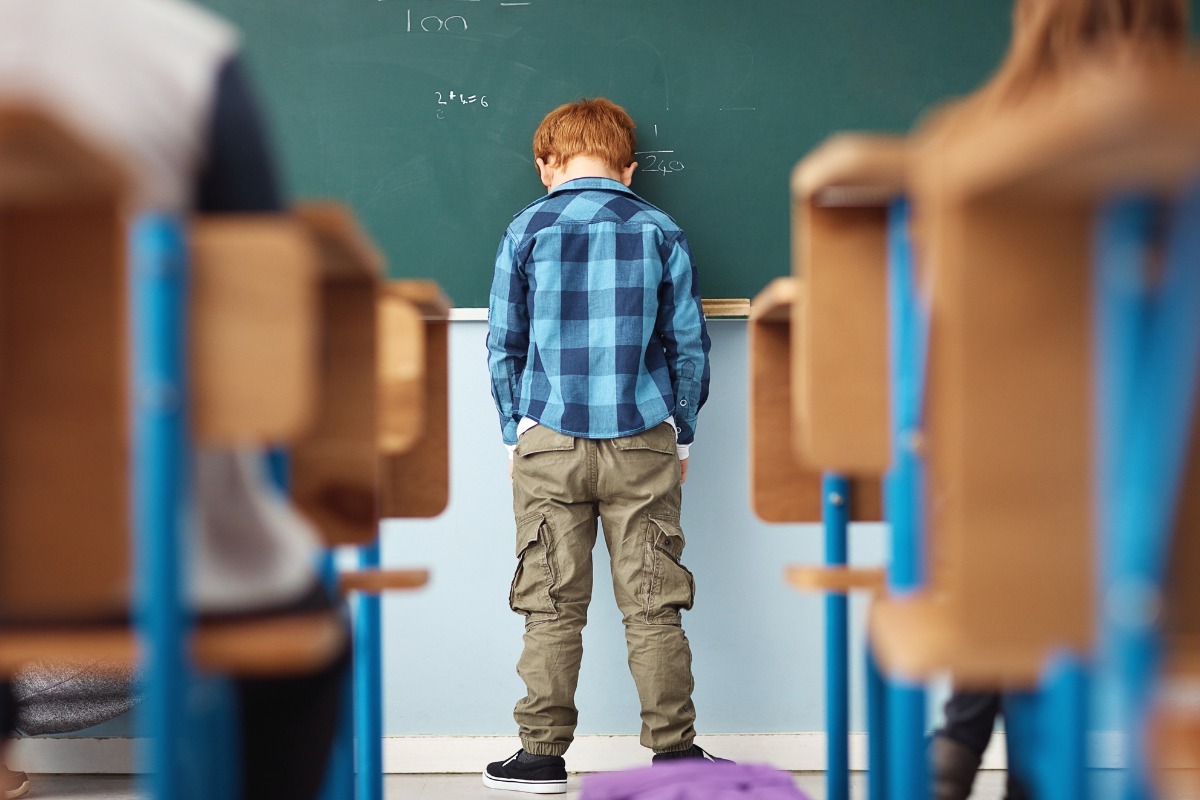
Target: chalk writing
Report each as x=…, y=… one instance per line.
x=658, y=160
x=661, y=161
x=455, y=23
x=434, y=23
x=456, y=98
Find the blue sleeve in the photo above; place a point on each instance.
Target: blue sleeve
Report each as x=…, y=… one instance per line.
x=238, y=173
x=508, y=335
x=684, y=336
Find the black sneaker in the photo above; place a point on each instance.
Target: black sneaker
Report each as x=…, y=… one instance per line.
x=542, y=775
x=694, y=751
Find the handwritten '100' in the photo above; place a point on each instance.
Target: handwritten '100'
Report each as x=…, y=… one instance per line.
x=434, y=23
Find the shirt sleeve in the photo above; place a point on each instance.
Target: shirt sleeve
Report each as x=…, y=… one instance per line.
x=684, y=336
x=508, y=335
x=238, y=173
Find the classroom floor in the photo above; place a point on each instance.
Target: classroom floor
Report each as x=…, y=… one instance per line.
x=989, y=786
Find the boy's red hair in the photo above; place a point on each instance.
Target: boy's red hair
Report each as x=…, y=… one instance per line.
x=587, y=127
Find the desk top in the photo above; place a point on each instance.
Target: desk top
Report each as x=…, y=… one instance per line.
x=852, y=169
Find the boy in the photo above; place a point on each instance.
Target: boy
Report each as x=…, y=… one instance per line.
x=599, y=360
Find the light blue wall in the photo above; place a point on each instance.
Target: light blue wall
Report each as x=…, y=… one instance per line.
x=451, y=649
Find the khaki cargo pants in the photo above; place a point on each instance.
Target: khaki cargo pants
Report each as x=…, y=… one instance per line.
x=561, y=485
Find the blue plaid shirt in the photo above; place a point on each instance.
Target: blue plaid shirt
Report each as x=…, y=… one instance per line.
x=594, y=324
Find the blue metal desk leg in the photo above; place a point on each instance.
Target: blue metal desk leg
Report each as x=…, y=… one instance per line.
x=907, y=761
x=1149, y=351
x=1066, y=722
x=877, y=767
x=836, y=517
x=339, y=774
x=159, y=280
x=368, y=686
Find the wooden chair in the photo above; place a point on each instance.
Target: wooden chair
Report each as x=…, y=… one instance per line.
x=819, y=399
x=840, y=198
x=380, y=446
x=69, y=455
x=1008, y=251
x=416, y=452
x=65, y=461
x=784, y=488
x=383, y=398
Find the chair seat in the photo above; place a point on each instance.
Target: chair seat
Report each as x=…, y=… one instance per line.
x=918, y=637
x=377, y=581
x=836, y=580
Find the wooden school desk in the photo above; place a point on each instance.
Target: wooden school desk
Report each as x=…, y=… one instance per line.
x=379, y=447
x=1055, y=402
x=819, y=377
x=94, y=491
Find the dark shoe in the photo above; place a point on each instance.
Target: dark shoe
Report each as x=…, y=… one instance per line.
x=952, y=767
x=692, y=752
x=13, y=784
x=541, y=775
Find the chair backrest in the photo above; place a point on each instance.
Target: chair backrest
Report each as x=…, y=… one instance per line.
x=784, y=488
x=840, y=198
x=379, y=447
x=415, y=471
x=65, y=516
x=64, y=511
x=334, y=467
x=818, y=341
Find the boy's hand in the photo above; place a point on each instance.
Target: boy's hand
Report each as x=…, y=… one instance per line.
x=682, y=471
x=510, y=463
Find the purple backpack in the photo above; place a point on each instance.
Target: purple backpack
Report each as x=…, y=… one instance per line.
x=692, y=779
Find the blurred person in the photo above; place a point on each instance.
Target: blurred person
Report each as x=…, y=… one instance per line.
x=160, y=85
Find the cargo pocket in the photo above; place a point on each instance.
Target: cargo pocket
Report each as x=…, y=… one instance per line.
x=671, y=587
x=659, y=439
x=533, y=583
x=540, y=439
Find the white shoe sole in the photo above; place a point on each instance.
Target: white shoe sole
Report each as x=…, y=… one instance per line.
x=532, y=787
x=20, y=791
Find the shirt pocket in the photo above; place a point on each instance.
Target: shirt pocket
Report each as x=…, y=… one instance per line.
x=670, y=588
x=533, y=585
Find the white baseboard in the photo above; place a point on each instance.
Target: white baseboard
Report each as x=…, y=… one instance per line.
x=795, y=752
x=111, y=756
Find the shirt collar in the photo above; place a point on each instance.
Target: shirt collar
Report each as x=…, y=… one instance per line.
x=579, y=184
x=583, y=184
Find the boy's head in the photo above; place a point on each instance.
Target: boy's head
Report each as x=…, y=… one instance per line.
x=597, y=130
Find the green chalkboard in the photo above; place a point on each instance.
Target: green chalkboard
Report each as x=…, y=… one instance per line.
x=419, y=113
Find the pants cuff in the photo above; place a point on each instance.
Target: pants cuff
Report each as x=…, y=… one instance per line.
x=678, y=749
x=543, y=748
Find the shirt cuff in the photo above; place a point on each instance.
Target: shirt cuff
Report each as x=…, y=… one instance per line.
x=511, y=448
x=681, y=450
